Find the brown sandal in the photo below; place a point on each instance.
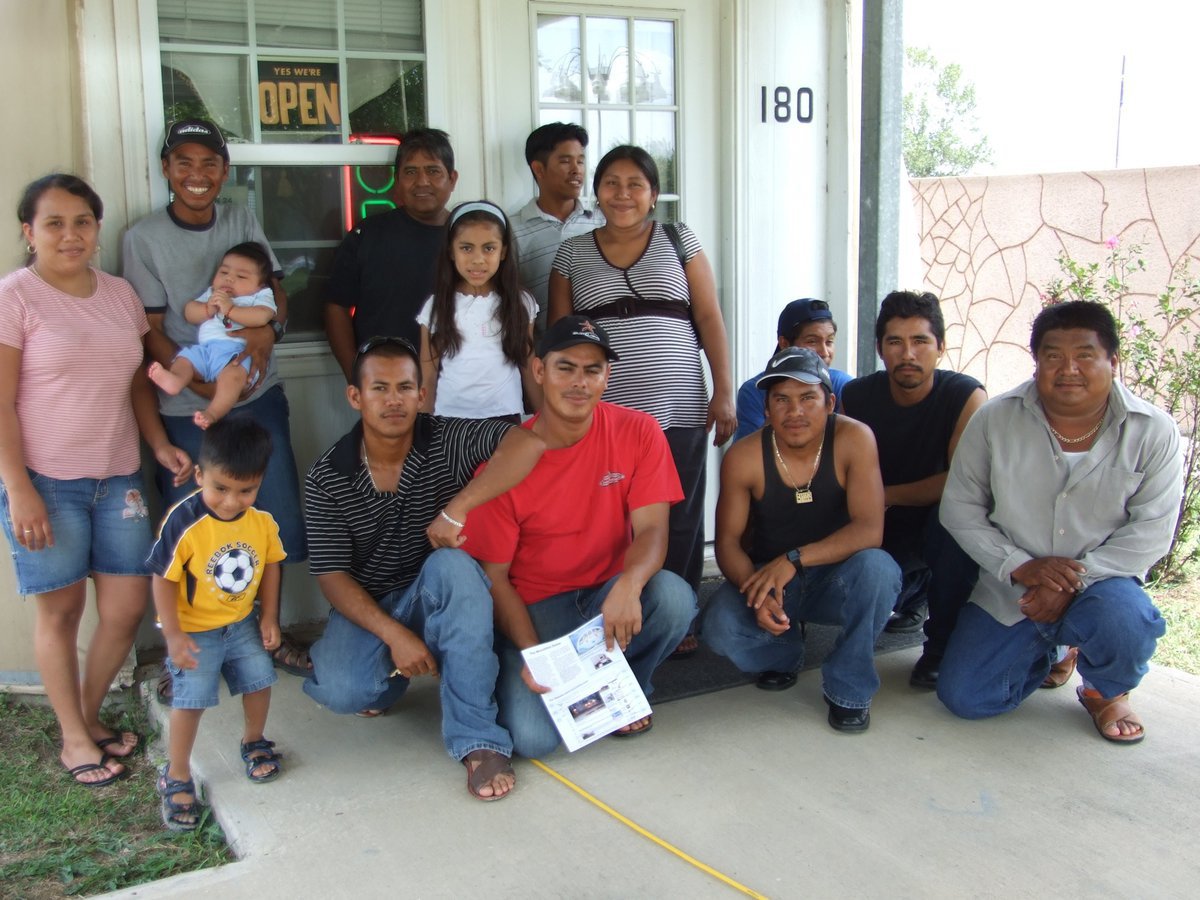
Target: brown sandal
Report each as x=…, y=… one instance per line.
x=1107, y=710
x=489, y=764
x=1061, y=672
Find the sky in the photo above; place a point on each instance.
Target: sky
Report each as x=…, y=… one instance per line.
x=1047, y=76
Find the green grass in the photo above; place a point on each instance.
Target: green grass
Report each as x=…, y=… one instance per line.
x=1180, y=605
x=59, y=839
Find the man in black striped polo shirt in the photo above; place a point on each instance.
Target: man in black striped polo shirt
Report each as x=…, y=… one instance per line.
x=401, y=607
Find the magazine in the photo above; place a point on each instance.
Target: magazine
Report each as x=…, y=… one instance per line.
x=593, y=692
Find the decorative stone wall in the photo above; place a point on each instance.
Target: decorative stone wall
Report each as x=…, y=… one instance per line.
x=989, y=246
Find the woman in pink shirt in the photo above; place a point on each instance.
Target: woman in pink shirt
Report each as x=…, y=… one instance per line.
x=73, y=396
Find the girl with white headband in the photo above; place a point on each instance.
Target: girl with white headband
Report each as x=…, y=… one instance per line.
x=477, y=327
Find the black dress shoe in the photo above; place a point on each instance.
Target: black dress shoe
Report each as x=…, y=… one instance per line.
x=844, y=718
x=906, y=621
x=776, y=681
x=925, y=672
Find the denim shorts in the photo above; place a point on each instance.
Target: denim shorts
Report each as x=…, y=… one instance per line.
x=235, y=651
x=100, y=525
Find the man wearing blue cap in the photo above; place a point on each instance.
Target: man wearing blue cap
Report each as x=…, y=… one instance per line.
x=803, y=323
x=799, y=521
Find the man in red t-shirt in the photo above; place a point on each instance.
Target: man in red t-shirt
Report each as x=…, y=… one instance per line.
x=584, y=533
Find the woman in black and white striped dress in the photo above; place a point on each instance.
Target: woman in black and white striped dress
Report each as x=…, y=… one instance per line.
x=655, y=295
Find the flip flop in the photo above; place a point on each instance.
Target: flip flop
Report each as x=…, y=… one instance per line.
x=630, y=732
x=1107, y=710
x=105, y=743
x=95, y=767
x=370, y=713
x=490, y=764
x=688, y=647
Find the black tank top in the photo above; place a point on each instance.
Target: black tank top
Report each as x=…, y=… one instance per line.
x=781, y=524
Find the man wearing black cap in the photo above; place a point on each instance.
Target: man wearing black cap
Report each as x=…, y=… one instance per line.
x=803, y=323
x=584, y=533
x=169, y=256
x=799, y=518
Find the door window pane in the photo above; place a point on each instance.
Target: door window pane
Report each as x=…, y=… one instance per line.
x=655, y=42
x=558, y=70
x=608, y=60
x=615, y=74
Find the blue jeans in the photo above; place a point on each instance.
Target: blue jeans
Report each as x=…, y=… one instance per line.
x=991, y=668
x=856, y=595
x=449, y=606
x=668, y=607
x=943, y=576
x=280, y=492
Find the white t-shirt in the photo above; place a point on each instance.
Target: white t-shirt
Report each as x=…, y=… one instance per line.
x=478, y=381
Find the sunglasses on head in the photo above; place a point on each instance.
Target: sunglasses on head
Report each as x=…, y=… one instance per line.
x=381, y=340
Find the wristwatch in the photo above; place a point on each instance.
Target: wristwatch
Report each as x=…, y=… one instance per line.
x=793, y=556
x=279, y=328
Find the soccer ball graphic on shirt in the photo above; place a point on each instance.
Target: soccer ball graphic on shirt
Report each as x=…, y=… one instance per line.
x=234, y=571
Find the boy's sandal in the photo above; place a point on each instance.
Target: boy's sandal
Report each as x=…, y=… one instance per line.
x=256, y=754
x=490, y=764
x=112, y=776
x=177, y=816
x=1106, y=711
x=1060, y=673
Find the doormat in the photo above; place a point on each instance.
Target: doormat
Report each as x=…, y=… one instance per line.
x=705, y=672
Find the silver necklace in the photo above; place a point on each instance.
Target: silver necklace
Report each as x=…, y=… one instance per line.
x=803, y=494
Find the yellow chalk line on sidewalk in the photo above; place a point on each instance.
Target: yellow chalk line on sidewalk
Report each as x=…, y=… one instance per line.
x=709, y=870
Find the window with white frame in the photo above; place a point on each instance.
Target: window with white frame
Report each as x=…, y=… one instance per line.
x=284, y=80
x=616, y=76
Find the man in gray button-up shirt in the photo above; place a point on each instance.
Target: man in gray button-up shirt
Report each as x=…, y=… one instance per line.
x=1065, y=490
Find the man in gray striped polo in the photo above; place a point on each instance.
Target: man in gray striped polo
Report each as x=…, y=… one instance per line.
x=555, y=154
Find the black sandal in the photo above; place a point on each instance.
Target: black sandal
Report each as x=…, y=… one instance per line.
x=266, y=757
x=177, y=816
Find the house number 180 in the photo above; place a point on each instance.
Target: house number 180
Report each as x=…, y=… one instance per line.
x=786, y=106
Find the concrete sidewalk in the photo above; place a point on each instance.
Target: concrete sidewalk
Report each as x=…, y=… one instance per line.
x=754, y=785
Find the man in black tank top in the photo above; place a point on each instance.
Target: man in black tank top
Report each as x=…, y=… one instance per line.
x=917, y=413
x=799, y=521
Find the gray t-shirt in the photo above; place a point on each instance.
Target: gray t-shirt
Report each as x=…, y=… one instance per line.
x=169, y=262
